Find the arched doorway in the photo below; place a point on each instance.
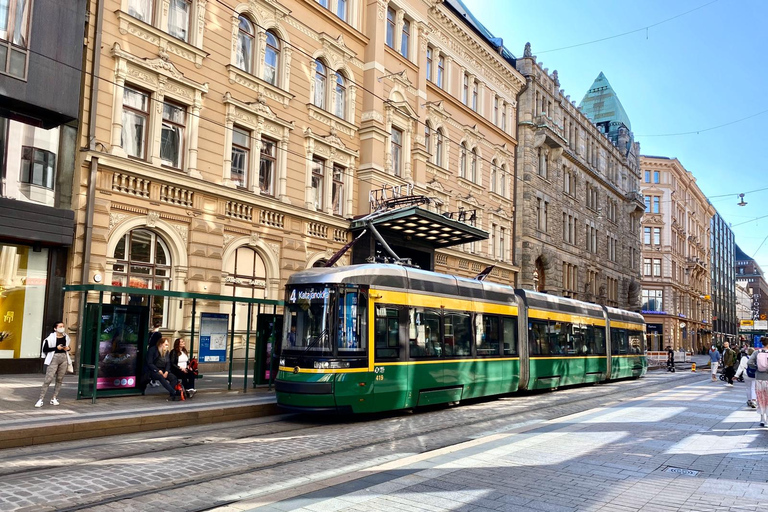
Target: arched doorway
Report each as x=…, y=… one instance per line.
x=142, y=260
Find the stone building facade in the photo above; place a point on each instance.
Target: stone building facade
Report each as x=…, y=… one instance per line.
x=750, y=276
x=578, y=188
x=230, y=142
x=677, y=283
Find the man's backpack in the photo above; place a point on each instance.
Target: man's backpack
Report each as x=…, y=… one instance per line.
x=762, y=362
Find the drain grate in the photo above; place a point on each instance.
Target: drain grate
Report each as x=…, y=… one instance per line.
x=682, y=471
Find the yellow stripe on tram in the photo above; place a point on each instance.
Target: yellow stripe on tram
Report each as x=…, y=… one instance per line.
x=549, y=358
x=564, y=317
x=627, y=325
x=437, y=302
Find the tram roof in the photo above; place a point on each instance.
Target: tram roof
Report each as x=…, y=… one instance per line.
x=407, y=278
x=537, y=300
x=624, y=316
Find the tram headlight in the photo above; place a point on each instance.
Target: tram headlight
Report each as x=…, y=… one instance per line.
x=322, y=364
x=339, y=364
x=282, y=361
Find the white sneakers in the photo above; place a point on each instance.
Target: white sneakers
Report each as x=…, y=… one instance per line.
x=39, y=403
x=54, y=401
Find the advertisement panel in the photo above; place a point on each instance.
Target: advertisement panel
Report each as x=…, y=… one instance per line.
x=122, y=332
x=213, y=337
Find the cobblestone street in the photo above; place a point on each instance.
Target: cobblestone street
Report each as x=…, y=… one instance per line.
x=632, y=445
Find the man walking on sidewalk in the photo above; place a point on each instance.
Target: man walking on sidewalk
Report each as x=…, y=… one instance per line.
x=714, y=361
x=729, y=360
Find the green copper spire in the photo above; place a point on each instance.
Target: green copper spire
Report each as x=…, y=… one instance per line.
x=602, y=105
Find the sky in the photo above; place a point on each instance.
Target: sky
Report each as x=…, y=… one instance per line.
x=682, y=66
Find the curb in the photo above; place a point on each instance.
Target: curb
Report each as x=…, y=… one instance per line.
x=54, y=432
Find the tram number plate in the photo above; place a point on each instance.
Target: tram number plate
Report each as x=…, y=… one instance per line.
x=379, y=377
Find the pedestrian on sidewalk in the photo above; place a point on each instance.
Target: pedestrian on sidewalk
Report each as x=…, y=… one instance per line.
x=729, y=361
x=714, y=361
x=159, y=366
x=759, y=361
x=56, y=348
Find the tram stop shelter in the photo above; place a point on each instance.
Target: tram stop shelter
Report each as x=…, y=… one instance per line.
x=114, y=336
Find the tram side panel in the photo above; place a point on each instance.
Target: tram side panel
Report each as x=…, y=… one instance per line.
x=389, y=350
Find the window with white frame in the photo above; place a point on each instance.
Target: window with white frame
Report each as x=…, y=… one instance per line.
x=172, y=135
x=494, y=174
x=337, y=190
x=503, y=180
x=321, y=79
x=502, y=245
x=176, y=18
x=14, y=37
x=465, y=89
x=339, y=7
x=271, y=58
x=135, y=122
x=473, y=105
x=391, y=24
x=317, y=182
x=396, y=139
x=241, y=156
x=267, y=167
x=439, y=143
x=260, y=55
x=440, y=71
x=463, y=160
x=653, y=300
x=430, y=64
x=473, y=166
x=405, y=40
x=245, y=44
x=428, y=139
x=340, y=95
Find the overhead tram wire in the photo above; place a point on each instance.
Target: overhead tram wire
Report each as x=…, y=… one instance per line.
x=629, y=32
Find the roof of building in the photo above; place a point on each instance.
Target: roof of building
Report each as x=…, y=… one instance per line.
x=741, y=255
x=601, y=103
x=496, y=43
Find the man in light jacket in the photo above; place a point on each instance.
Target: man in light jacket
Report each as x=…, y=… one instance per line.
x=714, y=360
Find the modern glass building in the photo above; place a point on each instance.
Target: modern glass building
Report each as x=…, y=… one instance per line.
x=725, y=324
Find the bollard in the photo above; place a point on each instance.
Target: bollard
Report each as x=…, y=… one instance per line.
x=693, y=367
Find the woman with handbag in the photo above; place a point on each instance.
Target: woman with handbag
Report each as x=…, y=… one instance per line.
x=56, y=348
x=180, y=366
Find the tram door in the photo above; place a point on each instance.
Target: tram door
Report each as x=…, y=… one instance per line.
x=426, y=350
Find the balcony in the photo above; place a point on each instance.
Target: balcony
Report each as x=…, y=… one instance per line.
x=636, y=201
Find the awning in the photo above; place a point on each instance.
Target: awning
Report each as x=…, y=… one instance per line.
x=418, y=224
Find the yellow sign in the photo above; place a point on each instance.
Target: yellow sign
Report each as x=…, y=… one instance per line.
x=747, y=323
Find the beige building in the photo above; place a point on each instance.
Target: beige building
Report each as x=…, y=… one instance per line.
x=676, y=255
x=227, y=144
x=579, y=188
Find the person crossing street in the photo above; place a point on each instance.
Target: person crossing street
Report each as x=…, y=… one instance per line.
x=714, y=361
x=729, y=361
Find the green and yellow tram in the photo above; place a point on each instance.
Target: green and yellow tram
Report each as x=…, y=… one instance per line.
x=378, y=337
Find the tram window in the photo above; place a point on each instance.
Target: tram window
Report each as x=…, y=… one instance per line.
x=509, y=335
x=349, y=338
x=619, y=341
x=635, y=342
x=579, y=341
x=457, y=328
x=488, y=335
x=561, y=342
x=425, y=339
x=595, y=338
x=538, y=343
x=387, y=332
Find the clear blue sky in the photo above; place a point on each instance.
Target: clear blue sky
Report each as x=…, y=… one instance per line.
x=700, y=70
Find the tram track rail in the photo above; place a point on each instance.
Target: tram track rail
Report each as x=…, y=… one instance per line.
x=545, y=404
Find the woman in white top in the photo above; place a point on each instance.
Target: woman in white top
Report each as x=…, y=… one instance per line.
x=180, y=366
x=55, y=348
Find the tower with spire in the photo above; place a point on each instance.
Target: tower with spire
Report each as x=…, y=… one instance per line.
x=603, y=107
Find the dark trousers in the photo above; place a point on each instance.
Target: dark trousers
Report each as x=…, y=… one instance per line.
x=729, y=372
x=169, y=383
x=187, y=379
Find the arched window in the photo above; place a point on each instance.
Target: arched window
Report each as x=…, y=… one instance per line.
x=340, y=95
x=463, y=160
x=439, y=147
x=246, y=277
x=245, y=43
x=320, y=79
x=473, y=169
x=494, y=175
x=142, y=260
x=271, y=58
x=428, y=139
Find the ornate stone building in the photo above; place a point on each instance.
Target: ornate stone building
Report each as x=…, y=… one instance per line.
x=676, y=291
x=227, y=144
x=578, y=187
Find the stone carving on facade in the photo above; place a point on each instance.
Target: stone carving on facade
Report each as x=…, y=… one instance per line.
x=527, y=50
x=227, y=239
x=152, y=218
x=115, y=219
x=255, y=238
x=183, y=232
x=275, y=248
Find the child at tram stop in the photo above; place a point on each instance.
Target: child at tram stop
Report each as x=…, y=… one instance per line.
x=56, y=349
x=714, y=360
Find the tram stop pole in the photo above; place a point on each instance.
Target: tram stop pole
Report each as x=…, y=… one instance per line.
x=231, y=346
x=247, y=345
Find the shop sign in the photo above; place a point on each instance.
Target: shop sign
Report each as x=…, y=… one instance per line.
x=244, y=281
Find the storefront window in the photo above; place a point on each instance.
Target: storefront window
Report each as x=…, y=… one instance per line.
x=247, y=277
x=23, y=279
x=143, y=261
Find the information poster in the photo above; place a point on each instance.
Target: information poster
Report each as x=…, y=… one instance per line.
x=213, y=337
x=121, y=329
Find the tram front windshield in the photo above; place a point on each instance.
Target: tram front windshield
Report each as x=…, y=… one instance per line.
x=324, y=321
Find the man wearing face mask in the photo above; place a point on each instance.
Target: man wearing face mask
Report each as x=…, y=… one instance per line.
x=55, y=348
